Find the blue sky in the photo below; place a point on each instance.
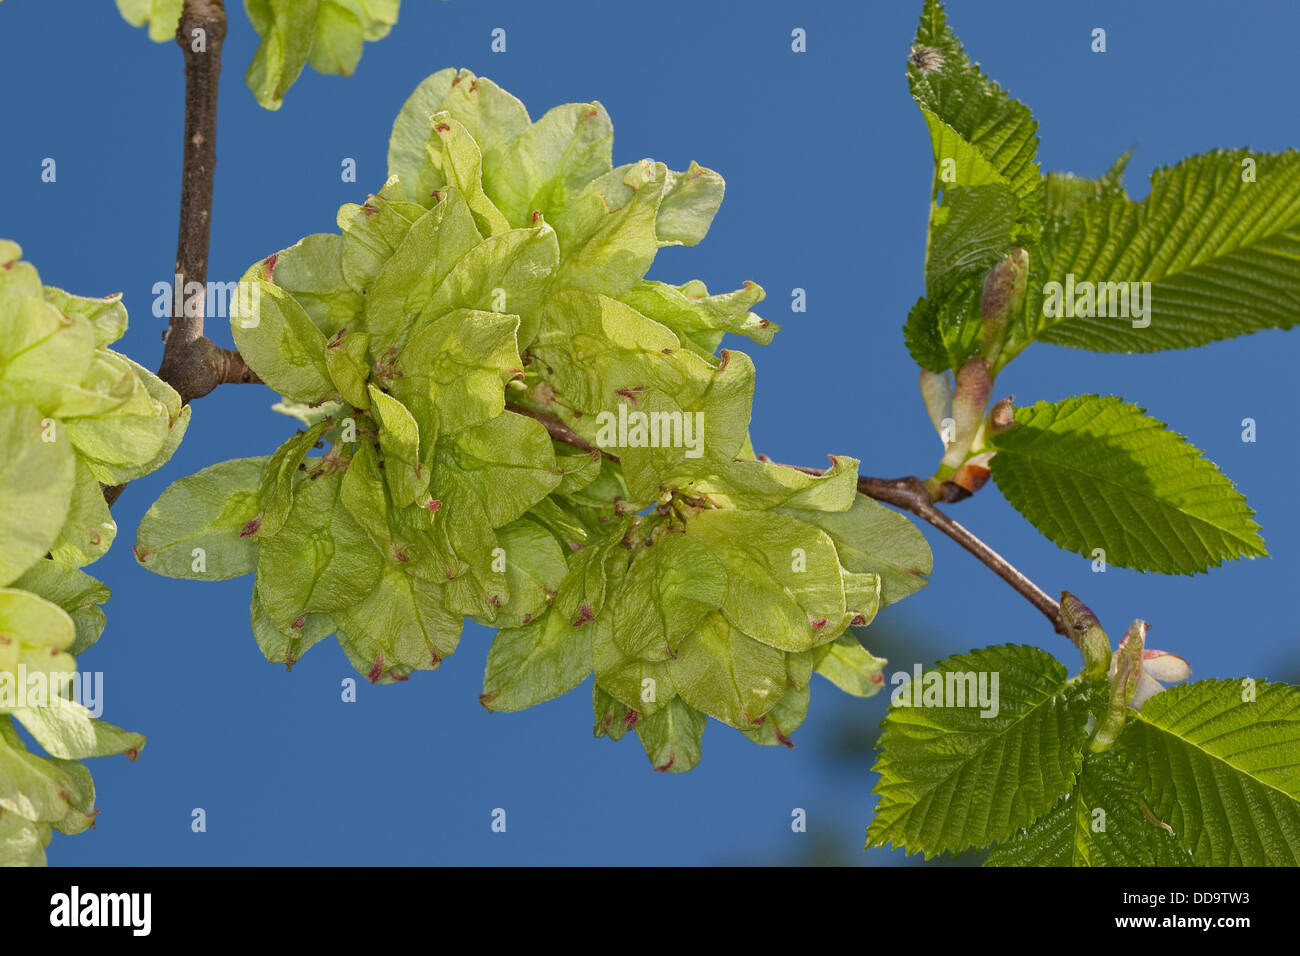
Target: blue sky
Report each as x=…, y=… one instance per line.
x=828, y=171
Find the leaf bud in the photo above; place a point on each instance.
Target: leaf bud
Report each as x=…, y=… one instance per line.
x=1002, y=298
x=1086, y=632
x=1125, y=673
x=1002, y=417
x=969, y=400
x=936, y=392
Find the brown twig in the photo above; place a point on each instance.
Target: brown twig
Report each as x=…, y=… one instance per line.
x=560, y=431
x=910, y=495
x=192, y=363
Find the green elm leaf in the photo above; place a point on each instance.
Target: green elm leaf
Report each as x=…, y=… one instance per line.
x=372, y=232
x=850, y=666
x=452, y=374
x=872, y=539
x=1003, y=771
x=784, y=584
x=345, y=360
x=968, y=234
x=491, y=115
x=1096, y=472
x=548, y=164
x=37, y=478
x=280, y=479
x=728, y=675
x=1099, y=823
x=404, y=285
x=535, y=663
x=1207, y=283
x=287, y=645
x=321, y=560
x=162, y=16
x=672, y=737
x=73, y=590
x=535, y=568
x=401, y=626
x=763, y=485
x=106, y=316
x=923, y=339
x=612, y=719
x=454, y=153
x=209, y=510
x=1066, y=194
x=691, y=200
x=399, y=439
x=509, y=272
x=607, y=236
x=953, y=92
x=699, y=319
x=1219, y=762
x=281, y=343
x=43, y=354
x=311, y=270
x=42, y=789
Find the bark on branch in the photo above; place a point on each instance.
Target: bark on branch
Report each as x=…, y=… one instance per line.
x=192, y=364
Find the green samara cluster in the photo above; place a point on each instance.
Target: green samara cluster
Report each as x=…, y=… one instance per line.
x=74, y=415
x=503, y=420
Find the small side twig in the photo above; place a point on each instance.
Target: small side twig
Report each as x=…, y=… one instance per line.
x=910, y=495
x=560, y=431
